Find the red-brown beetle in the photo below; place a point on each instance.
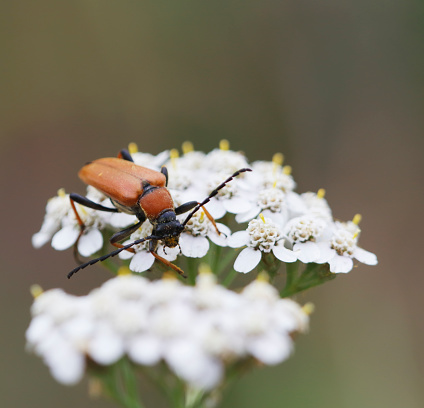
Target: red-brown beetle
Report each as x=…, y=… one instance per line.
x=142, y=192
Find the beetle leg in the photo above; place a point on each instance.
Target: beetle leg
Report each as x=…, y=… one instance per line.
x=164, y=171
x=88, y=203
x=125, y=155
x=169, y=264
x=191, y=204
x=84, y=201
x=185, y=207
x=152, y=248
x=110, y=254
x=120, y=235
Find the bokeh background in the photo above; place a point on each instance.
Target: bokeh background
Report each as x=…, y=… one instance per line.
x=336, y=85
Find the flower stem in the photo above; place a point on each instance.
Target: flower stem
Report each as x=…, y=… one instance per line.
x=120, y=384
x=224, y=261
x=192, y=267
x=130, y=382
x=229, y=278
x=312, y=275
x=291, y=273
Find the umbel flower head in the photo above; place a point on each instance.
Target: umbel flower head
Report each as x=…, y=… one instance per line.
x=198, y=331
x=291, y=226
x=215, y=212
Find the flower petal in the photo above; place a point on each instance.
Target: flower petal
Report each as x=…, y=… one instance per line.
x=325, y=252
x=65, y=238
x=193, y=247
x=341, y=264
x=141, y=261
x=365, y=257
x=248, y=215
x=168, y=253
x=222, y=238
x=67, y=365
x=121, y=220
x=271, y=348
x=307, y=251
x=105, y=347
x=284, y=254
x=279, y=218
x=191, y=363
x=215, y=208
x=238, y=239
x=237, y=205
x=90, y=242
x=145, y=350
x=247, y=260
x=39, y=239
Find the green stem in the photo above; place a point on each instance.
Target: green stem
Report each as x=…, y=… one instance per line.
x=291, y=273
x=229, y=278
x=270, y=264
x=225, y=261
x=192, y=267
x=120, y=384
x=312, y=275
x=215, y=256
x=130, y=382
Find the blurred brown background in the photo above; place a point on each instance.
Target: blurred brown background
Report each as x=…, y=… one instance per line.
x=336, y=85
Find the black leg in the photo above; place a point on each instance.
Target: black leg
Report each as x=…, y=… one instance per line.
x=185, y=207
x=125, y=154
x=90, y=204
x=119, y=236
x=110, y=254
x=164, y=171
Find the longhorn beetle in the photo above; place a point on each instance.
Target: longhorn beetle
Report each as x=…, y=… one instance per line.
x=142, y=192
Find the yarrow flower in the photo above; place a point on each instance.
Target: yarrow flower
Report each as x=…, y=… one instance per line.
x=261, y=236
x=342, y=248
x=196, y=327
x=197, y=331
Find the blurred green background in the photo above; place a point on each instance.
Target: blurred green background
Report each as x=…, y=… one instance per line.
x=336, y=85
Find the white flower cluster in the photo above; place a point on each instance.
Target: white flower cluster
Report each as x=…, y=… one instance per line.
x=291, y=226
x=197, y=330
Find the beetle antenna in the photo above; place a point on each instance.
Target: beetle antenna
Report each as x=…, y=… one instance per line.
x=213, y=194
x=110, y=254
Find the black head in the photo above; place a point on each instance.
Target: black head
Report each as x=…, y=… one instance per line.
x=168, y=228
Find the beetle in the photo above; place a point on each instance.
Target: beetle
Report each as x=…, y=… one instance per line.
x=142, y=192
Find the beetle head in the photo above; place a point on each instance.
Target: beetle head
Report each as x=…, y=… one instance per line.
x=168, y=229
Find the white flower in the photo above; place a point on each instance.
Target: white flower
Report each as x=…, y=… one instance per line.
x=271, y=202
x=62, y=228
x=149, y=160
x=193, y=240
x=342, y=248
x=57, y=208
x=143, y=259
x=262, y=235
x=271, y=174
x=233, y=198
x=197, y=331
x=91, y=239
x=303, y=233
x=317, y=205
x=225, y=160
